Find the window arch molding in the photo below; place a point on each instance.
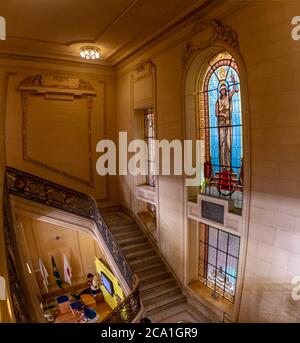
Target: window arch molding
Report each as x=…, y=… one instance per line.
x=199, y=51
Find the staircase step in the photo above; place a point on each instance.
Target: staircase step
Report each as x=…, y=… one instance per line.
x=164, y=301
x=149, y=266
x=132, y=240
x=124, y=235
x=155, y=276
x=124, y=228
x=152, y=270
x=118, y=218
x=138, y=255
x=112, y=222
x=136, y=247
x=124, y=221
x=145, y=260
x=160, y=283
x=157, y=293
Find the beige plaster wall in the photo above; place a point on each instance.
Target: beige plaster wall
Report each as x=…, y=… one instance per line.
x=271, y=61
x=57, y=131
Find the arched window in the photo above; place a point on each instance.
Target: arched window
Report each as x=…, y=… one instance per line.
x=220, y=126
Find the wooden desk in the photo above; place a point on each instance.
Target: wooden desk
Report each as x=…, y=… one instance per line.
x=101, y=308
x=88, y=300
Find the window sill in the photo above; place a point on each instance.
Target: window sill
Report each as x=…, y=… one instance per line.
x=201, y=292
x=146, y=193
x=231, y=222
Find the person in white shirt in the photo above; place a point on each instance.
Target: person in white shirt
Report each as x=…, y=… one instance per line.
x=95, y=285
x=93, y=289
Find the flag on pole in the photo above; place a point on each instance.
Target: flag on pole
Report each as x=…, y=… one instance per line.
x=67, y=271
x=56, y=274
x=44, y=274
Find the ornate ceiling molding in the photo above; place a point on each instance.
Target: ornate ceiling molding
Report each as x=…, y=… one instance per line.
x=208, y=34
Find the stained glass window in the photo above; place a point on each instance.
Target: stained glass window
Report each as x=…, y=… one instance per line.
x=218, y=261
x=220, y=123
x=149, y=138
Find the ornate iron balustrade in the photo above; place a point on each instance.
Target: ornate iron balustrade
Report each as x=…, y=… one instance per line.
x=34, y=188
x=127, y=310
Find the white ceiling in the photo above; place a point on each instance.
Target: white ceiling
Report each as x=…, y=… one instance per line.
x=58, y=28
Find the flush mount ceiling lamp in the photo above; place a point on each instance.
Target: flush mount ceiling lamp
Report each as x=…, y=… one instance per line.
x=90, y=52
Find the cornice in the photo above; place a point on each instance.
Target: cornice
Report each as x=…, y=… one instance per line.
x=180, y=33
x=209, y=10
x=57, y=61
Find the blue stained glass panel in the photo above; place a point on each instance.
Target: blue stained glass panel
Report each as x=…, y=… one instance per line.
x=236, y=119
x=223, y=130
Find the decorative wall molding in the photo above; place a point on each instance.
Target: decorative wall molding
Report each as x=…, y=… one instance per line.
x=147, y=194
x=104, y=83
x=143, y=77
x=142, y=70
x=58, y=82
x=58, y=86
x=144, y=96
x=144, y=65
x=208, y=34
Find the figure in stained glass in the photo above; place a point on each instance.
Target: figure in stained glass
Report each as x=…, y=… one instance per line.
x=223, y=114
x=221, y=129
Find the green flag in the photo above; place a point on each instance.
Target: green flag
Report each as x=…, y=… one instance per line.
x=56, y=274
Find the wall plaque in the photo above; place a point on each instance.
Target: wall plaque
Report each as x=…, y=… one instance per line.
x=212, y=211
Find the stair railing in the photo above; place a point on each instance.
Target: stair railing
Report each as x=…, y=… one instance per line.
x=127, y=310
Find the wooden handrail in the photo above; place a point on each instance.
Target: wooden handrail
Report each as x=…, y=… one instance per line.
x=128, y=309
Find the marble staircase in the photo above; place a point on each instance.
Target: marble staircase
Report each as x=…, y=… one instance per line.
x=159, y=289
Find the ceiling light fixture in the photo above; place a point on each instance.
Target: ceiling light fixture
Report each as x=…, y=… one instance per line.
x=90, y=52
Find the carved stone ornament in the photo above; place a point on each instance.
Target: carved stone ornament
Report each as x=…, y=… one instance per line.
x=143, y=66
x=56, y=81
x=209, y=33
x=143, y=69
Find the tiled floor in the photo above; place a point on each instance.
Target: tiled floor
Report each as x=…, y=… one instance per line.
x=182, y=313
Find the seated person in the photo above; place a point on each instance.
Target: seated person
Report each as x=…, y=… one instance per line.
x=87, y=315
x=95, y=286
x=93, y=289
